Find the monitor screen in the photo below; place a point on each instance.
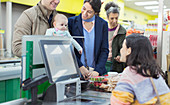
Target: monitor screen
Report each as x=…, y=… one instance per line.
x=36, y=57
x=59, y=59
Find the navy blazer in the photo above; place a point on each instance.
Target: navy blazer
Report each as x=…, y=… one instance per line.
x=101, y=40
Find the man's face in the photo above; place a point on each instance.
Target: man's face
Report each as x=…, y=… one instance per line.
x=50, y=4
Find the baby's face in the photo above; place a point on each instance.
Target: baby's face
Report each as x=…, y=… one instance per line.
x=62, y=24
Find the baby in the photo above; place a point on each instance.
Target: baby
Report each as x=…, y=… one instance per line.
x=60, y=29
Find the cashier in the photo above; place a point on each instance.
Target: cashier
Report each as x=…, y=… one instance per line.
x=33, y=21
x=95, y=42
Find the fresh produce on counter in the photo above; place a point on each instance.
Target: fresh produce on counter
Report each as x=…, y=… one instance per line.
x=98, y=80
x=111, y=83
x=107, y=83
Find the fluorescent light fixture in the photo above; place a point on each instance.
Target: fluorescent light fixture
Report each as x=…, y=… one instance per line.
x=146, y=3
x=157, y=10
x=129, y=0
x=166, y=9
x=152, y=7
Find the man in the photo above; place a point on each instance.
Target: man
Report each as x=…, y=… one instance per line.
x=33, y=21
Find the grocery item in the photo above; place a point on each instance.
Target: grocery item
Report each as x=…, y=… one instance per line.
x=111, y=83
x=107, y=83
x=112, y=74
x=98, y=80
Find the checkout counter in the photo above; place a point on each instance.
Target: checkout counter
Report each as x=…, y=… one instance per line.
x=88, y=97
x=10, y=73
x=56, y=54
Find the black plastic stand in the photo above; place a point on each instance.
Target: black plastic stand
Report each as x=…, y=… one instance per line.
x=34, y=91
x=32, y=84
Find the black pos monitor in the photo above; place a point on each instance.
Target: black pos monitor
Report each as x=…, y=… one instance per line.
x=61, y=68
x=59, y=59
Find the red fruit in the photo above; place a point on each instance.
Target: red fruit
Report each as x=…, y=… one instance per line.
x=97, y=83
x=100, y=84
x=105, y=80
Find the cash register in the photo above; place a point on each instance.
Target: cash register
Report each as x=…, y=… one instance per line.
x=61, y=68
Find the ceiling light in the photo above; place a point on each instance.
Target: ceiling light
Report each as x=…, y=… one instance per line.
x=152, y=7
x=129, y=0
x=166, y=9
x=157, y=10
x=146, y=3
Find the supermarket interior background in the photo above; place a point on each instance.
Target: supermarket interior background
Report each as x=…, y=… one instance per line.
x=136, y=16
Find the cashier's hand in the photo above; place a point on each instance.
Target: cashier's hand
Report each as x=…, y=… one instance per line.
x=84, y=72
x=117, y=58
x=93, y=73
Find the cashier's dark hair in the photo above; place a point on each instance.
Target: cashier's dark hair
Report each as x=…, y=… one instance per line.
x=96, y=5
x=111, y=7
x=141, y=58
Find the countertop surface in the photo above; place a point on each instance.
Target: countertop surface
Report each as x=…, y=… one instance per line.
x=89, y=97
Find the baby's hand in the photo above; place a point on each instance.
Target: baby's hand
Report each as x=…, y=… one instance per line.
x=80, y=52
x=54, y=34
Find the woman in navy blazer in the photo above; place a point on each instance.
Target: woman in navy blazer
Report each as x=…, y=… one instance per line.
x=97, y=43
